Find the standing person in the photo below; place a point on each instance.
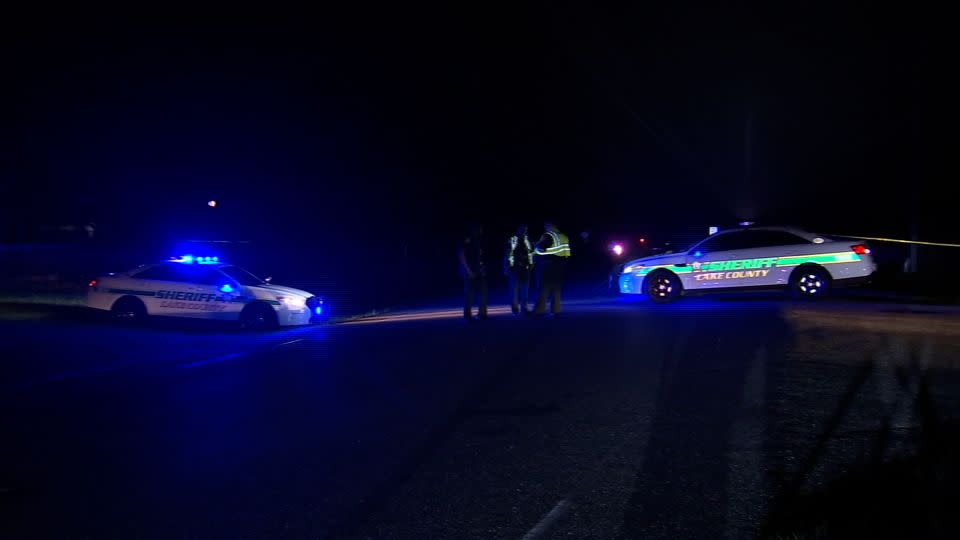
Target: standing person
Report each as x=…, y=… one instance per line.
x=518, y=263
x=552, y=251
x=474, y=274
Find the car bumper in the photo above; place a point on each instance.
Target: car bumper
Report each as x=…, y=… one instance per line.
x=293, y=317
x=630, y=284
x=858, y=281
x=314, y=311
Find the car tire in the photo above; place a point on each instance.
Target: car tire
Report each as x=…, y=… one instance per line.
x=810, y=281
x=258, y=316
x=128, y=309
x=663, y=287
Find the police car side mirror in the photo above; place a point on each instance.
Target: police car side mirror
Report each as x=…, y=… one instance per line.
x=268, y=279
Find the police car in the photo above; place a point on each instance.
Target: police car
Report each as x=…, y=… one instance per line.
x=202, y=288
x=764, y=257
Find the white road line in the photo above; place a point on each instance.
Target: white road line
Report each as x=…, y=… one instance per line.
x=214, y=360
x=232, y=356
x=548, y=520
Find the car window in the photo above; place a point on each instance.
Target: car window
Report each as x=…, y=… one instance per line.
x=724, y=242
x=160, y=272
x=208, y=276
x=241, y=276
x=760, y=239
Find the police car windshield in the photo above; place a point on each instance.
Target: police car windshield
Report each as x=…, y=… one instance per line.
x=241, y=276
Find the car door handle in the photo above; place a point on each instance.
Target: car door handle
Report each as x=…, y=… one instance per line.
x=681, y=265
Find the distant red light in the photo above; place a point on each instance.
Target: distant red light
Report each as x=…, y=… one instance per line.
x=860, y=249
x=643, y=240
x=93, y=283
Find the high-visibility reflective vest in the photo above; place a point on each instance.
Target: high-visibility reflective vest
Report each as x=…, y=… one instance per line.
x=560, y=246
x=514, y=242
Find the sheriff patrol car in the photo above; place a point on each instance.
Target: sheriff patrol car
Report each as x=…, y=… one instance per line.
x=805, y=263
x=203, y=288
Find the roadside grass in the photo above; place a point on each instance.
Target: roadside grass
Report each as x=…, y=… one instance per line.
x=42, y=298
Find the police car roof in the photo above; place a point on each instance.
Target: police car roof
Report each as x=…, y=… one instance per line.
x=785, y=228
x=143, y=267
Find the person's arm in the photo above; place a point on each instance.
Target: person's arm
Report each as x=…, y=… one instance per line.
x=462, y=254
x=544, y=243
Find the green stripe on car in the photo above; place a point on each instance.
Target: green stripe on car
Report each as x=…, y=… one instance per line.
x=673, y=268
x=760, y=262
x=825, y=258
x=131, y=291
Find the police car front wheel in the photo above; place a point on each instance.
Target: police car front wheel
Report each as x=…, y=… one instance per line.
x=256, y=316
x=663, y=287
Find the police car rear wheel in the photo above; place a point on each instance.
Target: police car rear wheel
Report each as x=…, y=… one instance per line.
x=128, y=308
x=810, y=282
x=663, y=287
x=257, y=316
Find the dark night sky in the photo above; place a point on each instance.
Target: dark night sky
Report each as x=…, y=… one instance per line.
x=372, y=120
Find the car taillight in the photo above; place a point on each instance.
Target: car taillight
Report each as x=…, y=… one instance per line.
x=860, y=249
x=93, y=283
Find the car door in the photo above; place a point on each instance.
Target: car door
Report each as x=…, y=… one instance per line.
x=714, y=261
x=215, y=295
x=756, y=269
x=163, y=281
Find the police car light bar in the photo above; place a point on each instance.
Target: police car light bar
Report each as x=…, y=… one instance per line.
x=190, y=259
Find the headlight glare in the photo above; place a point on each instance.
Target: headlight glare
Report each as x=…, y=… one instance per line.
x=296, y=302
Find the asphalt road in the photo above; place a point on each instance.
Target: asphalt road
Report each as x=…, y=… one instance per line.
x=709, y=418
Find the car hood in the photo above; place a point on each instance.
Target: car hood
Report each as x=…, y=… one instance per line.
x=658, y=260
x=280, y=289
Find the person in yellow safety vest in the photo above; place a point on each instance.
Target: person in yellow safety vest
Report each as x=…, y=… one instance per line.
x=552, y=252
x=517, y=265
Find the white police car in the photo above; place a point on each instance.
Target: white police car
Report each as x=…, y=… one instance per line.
x=202, y=288
x=764, y=257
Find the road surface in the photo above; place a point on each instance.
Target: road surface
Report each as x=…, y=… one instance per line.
x=708, y=418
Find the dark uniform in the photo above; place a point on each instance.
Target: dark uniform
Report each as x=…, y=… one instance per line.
x=474, y=277
x=519, y=264
x=552, y=251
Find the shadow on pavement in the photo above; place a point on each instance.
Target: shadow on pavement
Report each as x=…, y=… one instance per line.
x=908, y=497
x=683, y=484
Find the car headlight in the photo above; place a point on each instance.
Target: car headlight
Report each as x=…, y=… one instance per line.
x=293, y=302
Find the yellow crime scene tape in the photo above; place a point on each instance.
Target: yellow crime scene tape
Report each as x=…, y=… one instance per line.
x=896, y=240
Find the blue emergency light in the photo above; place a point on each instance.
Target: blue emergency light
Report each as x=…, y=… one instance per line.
x=190, y=259
x=226, y=288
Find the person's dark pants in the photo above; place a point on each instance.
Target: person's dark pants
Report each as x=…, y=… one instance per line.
x=475, y=287
x=519, y=289
x=551, y=284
